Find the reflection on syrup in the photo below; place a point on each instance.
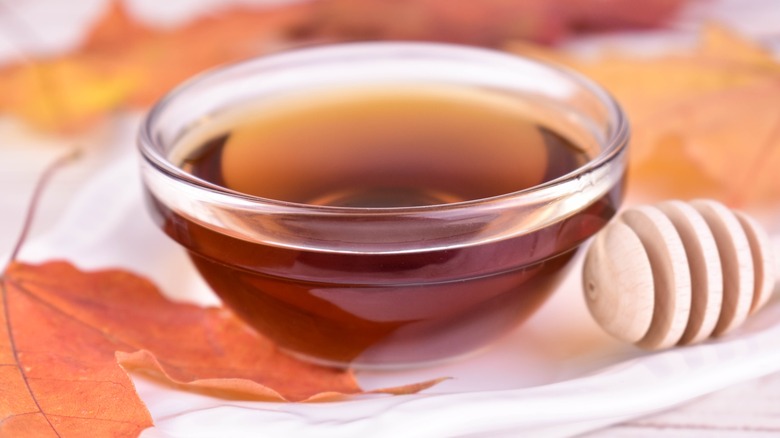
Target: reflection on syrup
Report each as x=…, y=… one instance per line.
x=384, y=147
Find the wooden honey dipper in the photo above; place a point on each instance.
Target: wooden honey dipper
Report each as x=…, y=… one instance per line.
x=677, y=273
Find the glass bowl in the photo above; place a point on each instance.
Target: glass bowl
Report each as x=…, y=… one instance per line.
x=383, y=287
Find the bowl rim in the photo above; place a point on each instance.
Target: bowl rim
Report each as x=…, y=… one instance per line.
x=614, y=145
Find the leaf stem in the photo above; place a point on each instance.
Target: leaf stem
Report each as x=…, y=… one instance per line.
x=35, y=199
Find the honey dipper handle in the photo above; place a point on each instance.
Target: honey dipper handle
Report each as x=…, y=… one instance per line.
x=678, y=273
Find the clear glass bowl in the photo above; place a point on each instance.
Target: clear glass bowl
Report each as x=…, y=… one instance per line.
x=385, y=287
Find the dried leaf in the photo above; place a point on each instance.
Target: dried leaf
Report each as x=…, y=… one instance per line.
x=484, y=22
x=66, y=332
x=125, y=64
x=55, y=381
x=705, y=120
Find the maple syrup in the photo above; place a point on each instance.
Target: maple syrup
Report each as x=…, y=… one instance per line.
x=383, y=149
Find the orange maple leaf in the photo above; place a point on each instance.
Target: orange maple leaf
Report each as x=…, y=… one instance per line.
x=53, y=369
x=64, y=334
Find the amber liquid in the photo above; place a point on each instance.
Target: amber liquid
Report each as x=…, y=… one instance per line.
x=371, y=148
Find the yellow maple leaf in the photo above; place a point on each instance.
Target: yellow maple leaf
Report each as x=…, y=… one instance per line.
x=123, y=63
x=50, y=93
x=705, y=120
